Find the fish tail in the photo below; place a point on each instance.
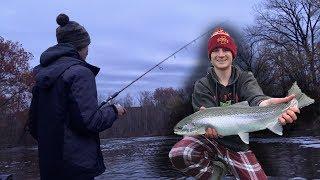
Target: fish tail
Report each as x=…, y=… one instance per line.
x=301, y=98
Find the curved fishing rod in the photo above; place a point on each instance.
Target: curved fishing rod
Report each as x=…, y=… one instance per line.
x=117, y=93
x=173, y=54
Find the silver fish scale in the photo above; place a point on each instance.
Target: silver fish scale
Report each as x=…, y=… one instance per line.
x=232, y=110
x=239, y=116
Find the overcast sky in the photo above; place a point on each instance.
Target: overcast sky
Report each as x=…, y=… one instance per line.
x=128, y=36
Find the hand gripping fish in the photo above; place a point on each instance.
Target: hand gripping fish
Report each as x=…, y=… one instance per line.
x=240, y=118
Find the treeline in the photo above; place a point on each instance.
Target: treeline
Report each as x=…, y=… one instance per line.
x=156, y=114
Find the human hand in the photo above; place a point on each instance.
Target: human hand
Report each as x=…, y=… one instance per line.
x=210, y=131
x=289, y=116
x=121, y=110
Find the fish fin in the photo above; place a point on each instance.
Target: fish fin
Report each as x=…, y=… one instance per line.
x=275, y=128
x=244, y=137
x=241, y=104
x=303, y=100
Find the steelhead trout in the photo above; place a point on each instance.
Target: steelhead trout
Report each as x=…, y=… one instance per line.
x=240, y=118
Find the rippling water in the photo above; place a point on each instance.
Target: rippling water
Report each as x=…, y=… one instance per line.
x=147, y=157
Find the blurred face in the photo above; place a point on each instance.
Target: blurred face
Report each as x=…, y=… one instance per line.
x=221, y=58
x=84, y=53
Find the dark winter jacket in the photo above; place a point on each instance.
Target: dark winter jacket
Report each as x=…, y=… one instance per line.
x=64, y=118
x=242, y=86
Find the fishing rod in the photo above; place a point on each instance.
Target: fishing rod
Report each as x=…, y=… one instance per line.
x=173, y=54
x=117, y=93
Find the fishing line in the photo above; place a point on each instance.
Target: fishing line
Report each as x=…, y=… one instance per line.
x=157, y=65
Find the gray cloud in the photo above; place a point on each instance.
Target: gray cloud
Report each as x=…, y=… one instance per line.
x=128, y=37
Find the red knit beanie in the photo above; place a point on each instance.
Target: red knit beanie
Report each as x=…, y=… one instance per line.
x=221, y=39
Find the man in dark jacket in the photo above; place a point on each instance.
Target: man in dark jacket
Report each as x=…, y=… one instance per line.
x=64, y=114
x=209, y=156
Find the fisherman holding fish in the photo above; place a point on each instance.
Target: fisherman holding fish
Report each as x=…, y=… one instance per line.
x=209, y=156
x=64, y=116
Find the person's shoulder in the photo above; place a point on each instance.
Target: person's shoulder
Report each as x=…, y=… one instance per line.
x=78, y=71
x=202, y=84
x=203, y=81
x=243, y=75
x=247, y=75
x=245, y=78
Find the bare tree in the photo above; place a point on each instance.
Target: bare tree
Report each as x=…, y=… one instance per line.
x=165, y=96
x=289, y=30
x=127, y=101
x=145, y=99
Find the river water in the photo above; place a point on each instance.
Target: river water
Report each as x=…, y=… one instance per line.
x=147, y=158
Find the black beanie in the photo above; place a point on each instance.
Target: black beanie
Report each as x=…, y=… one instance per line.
x=71, y=32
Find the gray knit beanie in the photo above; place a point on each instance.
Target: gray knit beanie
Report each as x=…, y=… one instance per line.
x=71, y=32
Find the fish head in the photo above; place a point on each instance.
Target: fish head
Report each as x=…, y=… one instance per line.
x=189, y=129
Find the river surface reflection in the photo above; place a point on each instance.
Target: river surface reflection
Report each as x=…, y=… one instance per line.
x=147, y=158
